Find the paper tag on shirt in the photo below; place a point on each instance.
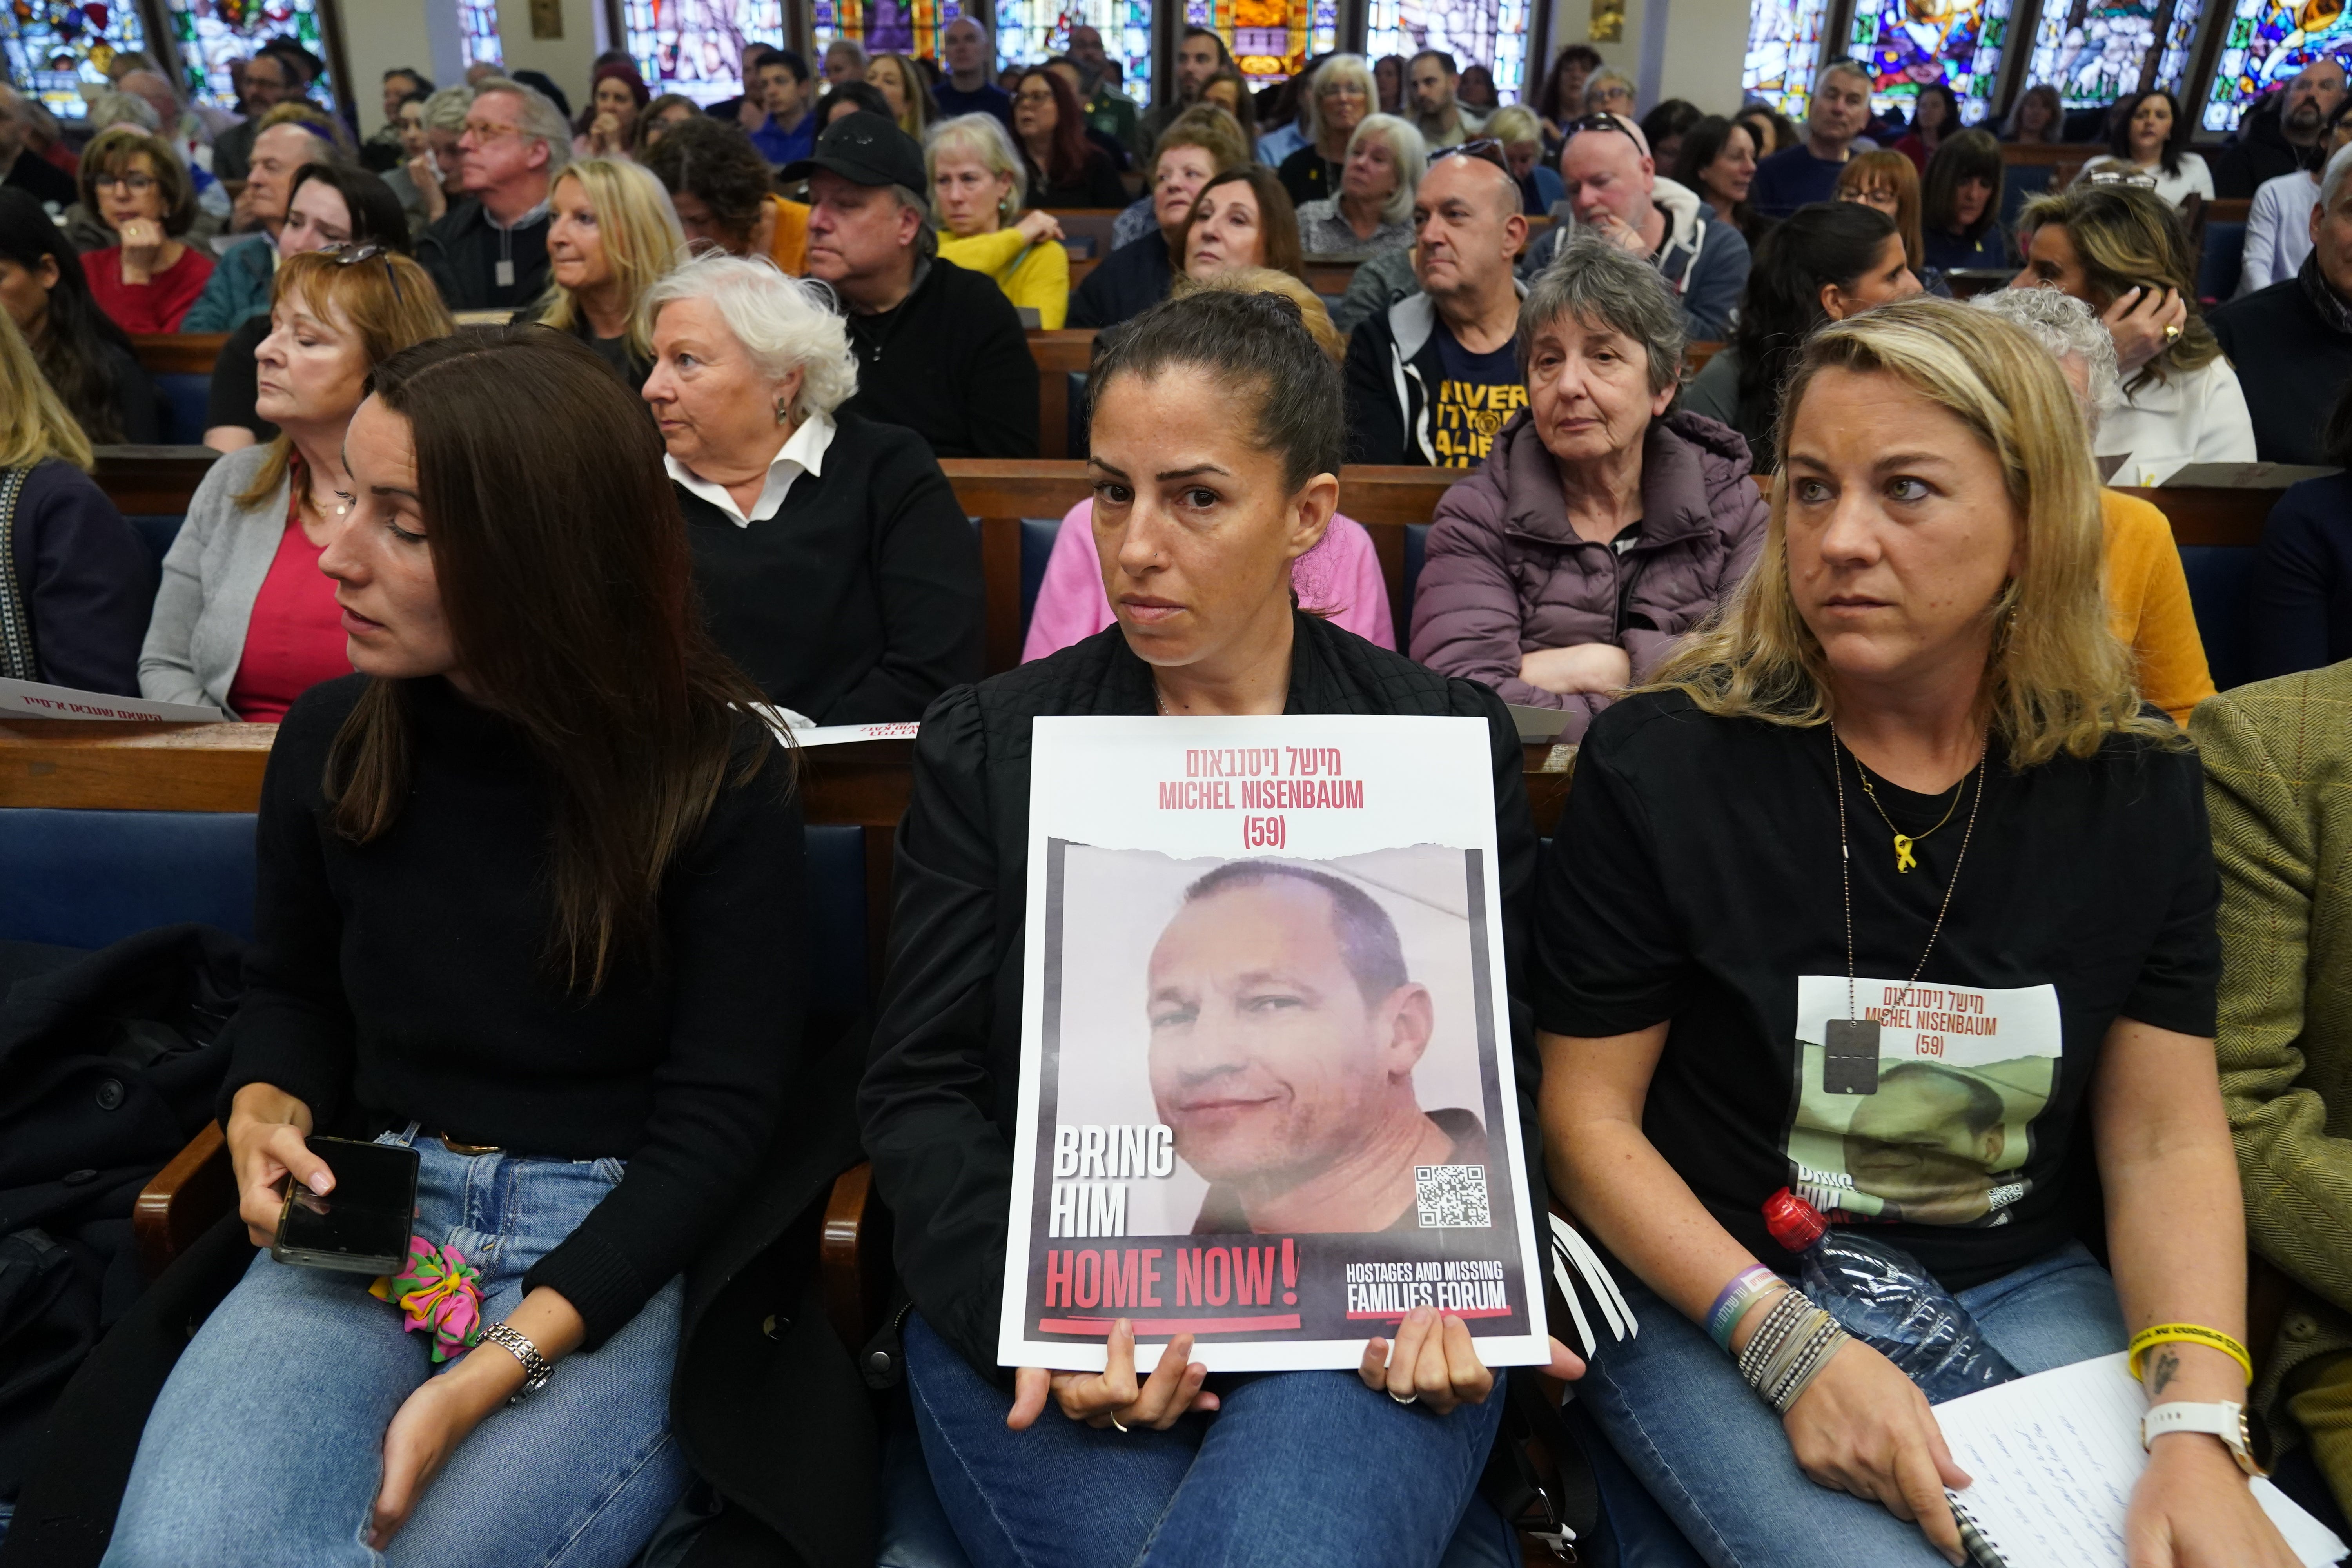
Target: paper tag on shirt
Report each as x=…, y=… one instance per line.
x=505, y=274
x=1935, y=1128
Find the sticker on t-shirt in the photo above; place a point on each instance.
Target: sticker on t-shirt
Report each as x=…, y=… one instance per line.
x=1934, y=1126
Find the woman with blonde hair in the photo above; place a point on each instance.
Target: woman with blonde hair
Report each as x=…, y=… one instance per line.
x=1864, y=974
x=2121, y=250
x=245, y=620
x=75, y=581
x=611, y=235
x=980, y=187
x=1339, y=579
x=1335, y=103
x=899, y=80
x=1371, y=210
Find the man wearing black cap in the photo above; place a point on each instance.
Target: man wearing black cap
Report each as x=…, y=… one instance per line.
x=939, y=349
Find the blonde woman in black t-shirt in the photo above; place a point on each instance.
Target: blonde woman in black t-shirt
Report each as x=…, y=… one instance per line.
x=1892, y=891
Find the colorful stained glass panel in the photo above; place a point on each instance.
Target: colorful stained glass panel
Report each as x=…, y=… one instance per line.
x=2092, y=51
x=696, y=47
x=1490, y=33
x=55, y=49
x=1784, y=50
x=1906, y=44
x=1029, y=30
x=478, y=23
x=209, y=35
x=886, y=26
x=2268, y=42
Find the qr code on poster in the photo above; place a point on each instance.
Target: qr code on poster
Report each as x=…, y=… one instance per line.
x=1451, y=1197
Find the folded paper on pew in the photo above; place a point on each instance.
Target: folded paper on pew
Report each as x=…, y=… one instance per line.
x=32, y=699
x=1266, y=1094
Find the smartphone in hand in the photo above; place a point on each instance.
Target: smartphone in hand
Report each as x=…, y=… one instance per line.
x=363, y=1225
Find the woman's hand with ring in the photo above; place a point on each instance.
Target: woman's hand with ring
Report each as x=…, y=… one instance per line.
x=1112, y=1396
x=1433, y=1361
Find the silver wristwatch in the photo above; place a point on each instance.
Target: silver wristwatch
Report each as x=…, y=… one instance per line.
x=536, y=1368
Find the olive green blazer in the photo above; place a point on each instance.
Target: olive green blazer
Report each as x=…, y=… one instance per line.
x=2278, y=772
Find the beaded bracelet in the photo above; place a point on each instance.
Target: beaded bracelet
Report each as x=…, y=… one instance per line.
x=1780, y=1324
x=1802, y=1364
x=2187, y=1334
x=1735, y=1298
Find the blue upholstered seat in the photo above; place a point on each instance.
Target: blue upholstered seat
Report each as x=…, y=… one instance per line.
x=187, y=401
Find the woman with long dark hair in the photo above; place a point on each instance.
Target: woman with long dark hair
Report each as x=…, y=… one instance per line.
x=2149, y=141
x=85, y=359
x=2039, y=116
x=530, y=905
x=1934, y=120
x=1823, y=263
x=1561, y=96
x=1959, y=216
x=1717, y=160
x=1065, y=169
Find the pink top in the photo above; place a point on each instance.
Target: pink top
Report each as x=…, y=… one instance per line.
x=1339, y=577
x=294, y=638
x=155, y=306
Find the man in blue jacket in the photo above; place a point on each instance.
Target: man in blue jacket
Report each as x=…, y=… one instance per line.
x=1835, y=117
x=1612, y=185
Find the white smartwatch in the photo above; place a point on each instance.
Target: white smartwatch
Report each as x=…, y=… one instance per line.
x=2221, y=1419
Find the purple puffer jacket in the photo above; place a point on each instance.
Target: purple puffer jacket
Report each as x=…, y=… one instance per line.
x=1506, y=572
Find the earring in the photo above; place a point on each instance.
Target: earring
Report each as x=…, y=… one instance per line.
x=783, y=411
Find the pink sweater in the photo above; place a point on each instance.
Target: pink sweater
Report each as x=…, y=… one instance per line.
x=1341, y=577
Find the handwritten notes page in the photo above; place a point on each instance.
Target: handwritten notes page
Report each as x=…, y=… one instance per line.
x=2056, y=1457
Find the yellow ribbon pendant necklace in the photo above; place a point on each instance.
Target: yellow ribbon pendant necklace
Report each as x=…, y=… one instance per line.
x=1904, y=859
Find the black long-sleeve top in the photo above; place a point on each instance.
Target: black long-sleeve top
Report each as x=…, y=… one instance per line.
x=85, y=579
x=408, y=979
x=938, y=1103
x=950, y=363
x=861, y=599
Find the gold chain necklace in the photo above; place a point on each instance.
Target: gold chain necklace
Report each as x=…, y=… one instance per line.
x=1860, y=1035
x=1904, y=858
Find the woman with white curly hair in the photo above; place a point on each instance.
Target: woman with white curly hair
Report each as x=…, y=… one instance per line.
x=831, y=559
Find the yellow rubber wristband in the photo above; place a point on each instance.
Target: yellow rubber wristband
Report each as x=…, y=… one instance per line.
x=2189, y=1333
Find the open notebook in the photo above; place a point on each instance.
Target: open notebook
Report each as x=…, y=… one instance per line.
x=2056, y=1457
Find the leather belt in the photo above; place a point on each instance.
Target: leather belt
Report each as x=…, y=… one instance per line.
x=469, y=1150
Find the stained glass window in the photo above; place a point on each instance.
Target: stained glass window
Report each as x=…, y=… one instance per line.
x=1030, y=30
x=1784, y=50
x=1908, y=44
x=54, y=48
x=886, y=26
x=477, y=21
x=210, y=35
x=2092, y=51
x=1490, y=33
x=2269, y=41
x=696, y=47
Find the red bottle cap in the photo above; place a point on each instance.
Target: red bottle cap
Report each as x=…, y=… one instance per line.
x=1794, y=1223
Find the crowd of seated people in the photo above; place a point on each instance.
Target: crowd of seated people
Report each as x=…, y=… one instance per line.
x=512, y=594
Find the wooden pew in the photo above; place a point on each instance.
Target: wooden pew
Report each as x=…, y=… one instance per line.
x=1058, y=354
x=1695, y=354
x=178, y=354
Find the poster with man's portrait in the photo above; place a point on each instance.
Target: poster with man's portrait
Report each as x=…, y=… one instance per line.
x=1267, y=1095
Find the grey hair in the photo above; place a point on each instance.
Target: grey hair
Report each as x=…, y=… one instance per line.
x=541, y=121
x=850, y=47
x=1845, y=66
x=1407, y=150
x=1330, y=73
x=2069, y=328
x=110, y=107
x=1602, y=284
x=1598, y=79
x=927, y=238
x=984, y=137
x=2331, y=182
x=783, y=323
x=446, y=110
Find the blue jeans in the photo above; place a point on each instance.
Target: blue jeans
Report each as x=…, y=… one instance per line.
x=1297, y=1469
x=266, y=1446
x=1717, y=1460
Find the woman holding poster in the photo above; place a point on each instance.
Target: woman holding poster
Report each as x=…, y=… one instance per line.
x=1943, y=963
x=1267, y=993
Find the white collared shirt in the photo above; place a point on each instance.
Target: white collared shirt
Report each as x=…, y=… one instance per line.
x=804, y=453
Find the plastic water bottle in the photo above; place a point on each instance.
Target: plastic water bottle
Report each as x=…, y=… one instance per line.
x=1881, y=1296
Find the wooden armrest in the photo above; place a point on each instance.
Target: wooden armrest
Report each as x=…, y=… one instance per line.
x=854, y=1256
x=183, y=1200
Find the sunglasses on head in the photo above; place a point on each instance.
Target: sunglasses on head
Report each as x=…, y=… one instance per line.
x=346, y=254
x=2132, y=178
x=1598, y=122
x=1485, y=148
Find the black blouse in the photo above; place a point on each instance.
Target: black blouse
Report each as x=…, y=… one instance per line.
x=938, y=1104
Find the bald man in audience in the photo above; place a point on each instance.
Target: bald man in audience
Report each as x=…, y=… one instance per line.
x=1433, y=378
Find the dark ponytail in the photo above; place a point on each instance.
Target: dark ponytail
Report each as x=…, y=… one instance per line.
x=1829, y=242
x=73, y=349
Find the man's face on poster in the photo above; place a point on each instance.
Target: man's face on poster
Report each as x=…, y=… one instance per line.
x=1928, y=1141
x=1268, y=1060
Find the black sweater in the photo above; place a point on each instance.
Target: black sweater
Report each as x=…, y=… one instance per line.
x=861, y=599
x=461, y=252
x=938, y=1104
x=85, y=580
x=406, y=979
x=1137, y=276
x=950, y=363
x=2291, y=364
